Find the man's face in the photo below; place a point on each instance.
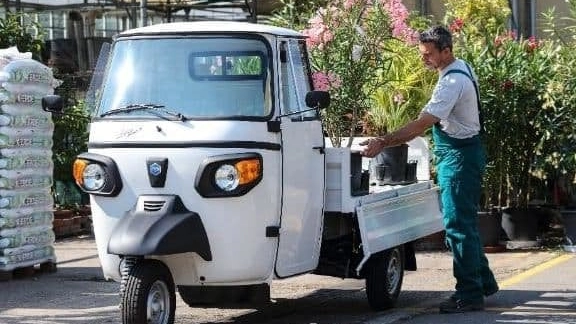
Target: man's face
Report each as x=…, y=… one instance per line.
x=432, y=57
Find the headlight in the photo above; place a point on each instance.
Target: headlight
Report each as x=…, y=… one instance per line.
x=97, y=174
x=94, y=177
x=226, y=177
x=229, y=175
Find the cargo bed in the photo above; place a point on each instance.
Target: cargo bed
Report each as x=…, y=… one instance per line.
x=388, y=216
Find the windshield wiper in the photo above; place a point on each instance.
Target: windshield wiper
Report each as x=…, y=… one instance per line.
x=149, y=107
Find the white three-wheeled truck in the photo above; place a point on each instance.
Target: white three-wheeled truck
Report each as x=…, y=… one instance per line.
x=208, y=175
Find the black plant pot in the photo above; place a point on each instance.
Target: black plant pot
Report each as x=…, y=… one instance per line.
x=490, y=227
x=520, y=224
x=390, y=165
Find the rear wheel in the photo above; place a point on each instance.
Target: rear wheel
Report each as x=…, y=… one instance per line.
x=384, y=274
x=148, y=295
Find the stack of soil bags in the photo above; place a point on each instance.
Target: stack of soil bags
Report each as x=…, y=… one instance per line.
x=26, y=203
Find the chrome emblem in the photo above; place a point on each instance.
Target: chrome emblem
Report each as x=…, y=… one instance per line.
x=155, y=169
x=128, y=132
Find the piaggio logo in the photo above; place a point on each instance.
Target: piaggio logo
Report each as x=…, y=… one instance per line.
x=155, y=169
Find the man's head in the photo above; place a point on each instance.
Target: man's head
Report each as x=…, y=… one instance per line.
x=436, y=47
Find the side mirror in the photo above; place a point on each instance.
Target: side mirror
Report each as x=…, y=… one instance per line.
x=318, y=99
x=53, y=104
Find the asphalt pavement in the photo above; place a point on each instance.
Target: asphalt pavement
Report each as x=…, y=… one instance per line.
x=542, y=294
x=537, y=287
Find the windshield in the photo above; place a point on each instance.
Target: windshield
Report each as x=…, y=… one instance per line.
x=201, y=77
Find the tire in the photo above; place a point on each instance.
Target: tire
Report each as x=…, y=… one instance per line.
x=384, y=275
x=149, y=294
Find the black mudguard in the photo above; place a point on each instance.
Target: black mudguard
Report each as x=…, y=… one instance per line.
x=160, y=225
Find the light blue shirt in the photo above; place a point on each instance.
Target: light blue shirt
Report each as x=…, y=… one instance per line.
x=454, y=102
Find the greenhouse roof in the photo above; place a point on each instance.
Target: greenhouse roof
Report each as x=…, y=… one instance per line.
x=151, y=4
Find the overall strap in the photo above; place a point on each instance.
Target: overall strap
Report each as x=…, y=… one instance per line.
x=469, y=75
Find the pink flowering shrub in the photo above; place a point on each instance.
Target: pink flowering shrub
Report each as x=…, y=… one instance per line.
x=349, y=47
x=325, y=81
x=515, y=74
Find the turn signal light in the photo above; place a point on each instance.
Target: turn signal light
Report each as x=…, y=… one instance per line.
x=78, y=171
x=229, y=175
x=249, y=170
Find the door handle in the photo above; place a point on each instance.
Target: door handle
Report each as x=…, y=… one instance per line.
x=320, y=149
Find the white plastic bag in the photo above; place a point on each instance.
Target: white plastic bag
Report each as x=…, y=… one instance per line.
x=13, y=199
x=29, y=71
x=25, y=138
x=40, y=121
x=9, y=54
x=26, y=220
x=39, y=88
x=25, y=98
x=27, y=161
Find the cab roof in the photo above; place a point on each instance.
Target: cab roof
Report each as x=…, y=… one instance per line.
x=210, y=27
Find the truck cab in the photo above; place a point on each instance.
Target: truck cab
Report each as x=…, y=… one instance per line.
x=209, y=175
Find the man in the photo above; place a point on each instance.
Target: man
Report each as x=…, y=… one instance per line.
x=453, y=113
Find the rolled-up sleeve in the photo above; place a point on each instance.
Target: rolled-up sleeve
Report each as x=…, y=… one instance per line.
x=447, y=91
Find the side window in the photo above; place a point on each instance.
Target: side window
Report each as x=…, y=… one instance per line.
x=295, y=79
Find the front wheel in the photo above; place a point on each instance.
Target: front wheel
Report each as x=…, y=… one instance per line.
x=149, y=294
x=384, y=274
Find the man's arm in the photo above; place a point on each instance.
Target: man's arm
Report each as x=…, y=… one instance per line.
x=402, y=135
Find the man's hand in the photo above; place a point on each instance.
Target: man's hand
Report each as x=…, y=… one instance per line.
x=402, y=135
x=374, y=146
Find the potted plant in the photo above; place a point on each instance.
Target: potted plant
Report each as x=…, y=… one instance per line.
x=349, y=43
x=513, y=75
x=399, y=101
x=407, y=89
x=555, y=159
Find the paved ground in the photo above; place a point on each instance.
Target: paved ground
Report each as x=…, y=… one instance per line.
x=543, y=294
x=77, y=293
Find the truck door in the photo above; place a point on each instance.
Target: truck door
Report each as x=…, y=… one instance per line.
x=302, y=165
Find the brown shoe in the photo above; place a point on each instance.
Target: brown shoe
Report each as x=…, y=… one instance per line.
x=452, y=305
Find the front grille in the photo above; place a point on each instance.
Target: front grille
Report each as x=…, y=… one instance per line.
x=153, y=205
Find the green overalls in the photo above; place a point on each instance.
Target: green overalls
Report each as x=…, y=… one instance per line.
x=460, y=165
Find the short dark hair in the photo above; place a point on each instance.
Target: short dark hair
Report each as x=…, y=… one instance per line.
x=439, y=35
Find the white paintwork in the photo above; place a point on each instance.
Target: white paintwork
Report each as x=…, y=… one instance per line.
x=217, y=27
x=389, y=215
x=338, y=196
x=302, y=198
x=396, y=216
x=417, y=150
x=291, y=195
x=302, y=172
x=235, y=226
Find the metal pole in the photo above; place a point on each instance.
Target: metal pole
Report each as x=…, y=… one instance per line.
x=133, y=14
x=168, y=11
x=533, y=18
x=143, y=13
x=515, y=19
x=254, y=11
x=422, y=8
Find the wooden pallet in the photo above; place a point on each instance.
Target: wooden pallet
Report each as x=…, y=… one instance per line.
x=28, y=271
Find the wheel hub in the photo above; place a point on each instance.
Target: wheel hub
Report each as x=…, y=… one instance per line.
x=393, y=272
x=158, y=304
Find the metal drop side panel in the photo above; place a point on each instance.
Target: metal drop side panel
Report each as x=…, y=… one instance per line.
x=394, y=217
